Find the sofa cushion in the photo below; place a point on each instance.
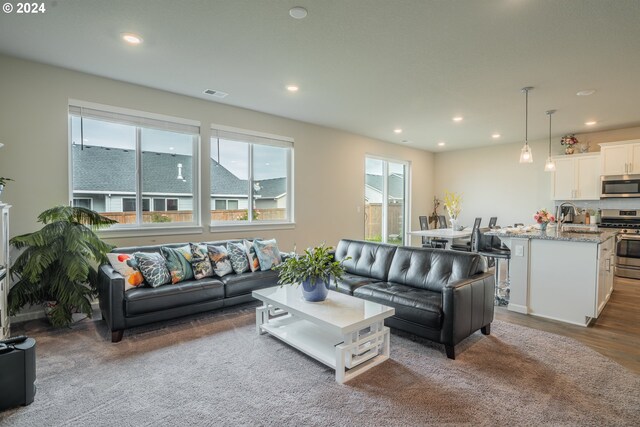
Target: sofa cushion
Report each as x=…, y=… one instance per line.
x=254, y=263
x=241, y=284
x=220, y=261
x=127, y=266
x=432, y=269
x=178, y=263
x=154, y=268
x=368, y=259
x=200, y=261
x=147, y=300
x=238, y=257
x=350, y=282
x=419, y=306
x=268, y=253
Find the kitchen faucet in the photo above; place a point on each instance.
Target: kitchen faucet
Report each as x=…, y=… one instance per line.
x=560, y=220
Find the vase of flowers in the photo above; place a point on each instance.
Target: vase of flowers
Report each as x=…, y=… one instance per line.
x=569, y=141
x=452, y=203
x=543, y=217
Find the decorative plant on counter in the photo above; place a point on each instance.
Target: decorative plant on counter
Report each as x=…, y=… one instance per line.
x=57, y=266
x=452, y=203
x=313, y=270
x=543, y=217
x=569, y=141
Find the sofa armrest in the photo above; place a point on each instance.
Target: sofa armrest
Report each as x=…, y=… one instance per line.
x=111, y=297
x=468, y=305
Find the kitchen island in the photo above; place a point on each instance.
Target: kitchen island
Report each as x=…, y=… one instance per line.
x=560, y=275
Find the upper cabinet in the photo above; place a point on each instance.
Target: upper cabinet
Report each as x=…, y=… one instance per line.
x=577, y=177
x=620, y=158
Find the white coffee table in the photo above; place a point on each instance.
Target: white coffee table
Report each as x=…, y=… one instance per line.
x=343, y=332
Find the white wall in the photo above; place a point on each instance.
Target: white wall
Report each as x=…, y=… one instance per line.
x=494, y=183
x=329, y=163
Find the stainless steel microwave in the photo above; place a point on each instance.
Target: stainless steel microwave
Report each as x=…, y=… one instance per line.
x=620, y=186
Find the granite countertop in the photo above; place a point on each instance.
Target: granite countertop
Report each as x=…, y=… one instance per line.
x=553, y=233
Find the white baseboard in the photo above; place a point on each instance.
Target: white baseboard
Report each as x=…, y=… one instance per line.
x=37, y=312
x=518, y=308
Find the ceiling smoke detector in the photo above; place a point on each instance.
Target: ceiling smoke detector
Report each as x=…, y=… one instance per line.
x=216, y=93
x=298, y=12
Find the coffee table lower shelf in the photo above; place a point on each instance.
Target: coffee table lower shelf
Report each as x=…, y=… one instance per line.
x=349, y=354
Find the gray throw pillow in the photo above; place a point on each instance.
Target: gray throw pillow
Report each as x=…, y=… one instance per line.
x=238, y=257
x=153, y=268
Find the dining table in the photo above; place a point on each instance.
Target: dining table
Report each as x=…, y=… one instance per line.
x=441, y=233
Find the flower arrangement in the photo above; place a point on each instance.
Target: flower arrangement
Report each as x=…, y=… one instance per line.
x=569, y=140
x=452, y=202
x=544, y=217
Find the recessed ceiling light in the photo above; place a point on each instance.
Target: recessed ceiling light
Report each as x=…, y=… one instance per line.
x=591, y=123
x=398, y=130
x=457, y=119
x=292, y=88
x=441, y=144
x=298, y=12
x=132, y=38
x=496, y=136
x=586, y=92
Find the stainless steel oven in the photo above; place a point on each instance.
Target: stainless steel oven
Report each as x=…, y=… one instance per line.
x=628, y=255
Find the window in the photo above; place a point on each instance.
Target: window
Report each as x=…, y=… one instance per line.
x=137, y=168
x=82, y=203
x=251, y=178
x=386, y=196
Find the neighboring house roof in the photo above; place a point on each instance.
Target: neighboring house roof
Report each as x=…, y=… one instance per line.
x=373, y=187
x=100, y=169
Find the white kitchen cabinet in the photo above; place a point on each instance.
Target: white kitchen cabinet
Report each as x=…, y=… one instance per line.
x=606, y=261
x=620, y=158
x=4, y=269
x=577, y=177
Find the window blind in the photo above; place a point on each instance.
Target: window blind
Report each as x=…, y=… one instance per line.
x=141, y=121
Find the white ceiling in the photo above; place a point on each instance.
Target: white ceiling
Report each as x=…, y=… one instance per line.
x=366, y=66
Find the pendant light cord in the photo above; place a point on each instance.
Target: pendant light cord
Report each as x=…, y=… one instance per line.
x=550, y=114
x=526, y=116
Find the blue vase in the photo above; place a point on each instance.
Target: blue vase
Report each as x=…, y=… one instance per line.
x=314, y=292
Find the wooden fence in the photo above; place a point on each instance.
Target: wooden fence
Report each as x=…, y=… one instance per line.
x=373, y=220
x=187, y=216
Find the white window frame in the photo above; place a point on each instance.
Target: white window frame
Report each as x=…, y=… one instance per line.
x=252, y=138
x=90, y=199
x=385, y=196
x=158, y=121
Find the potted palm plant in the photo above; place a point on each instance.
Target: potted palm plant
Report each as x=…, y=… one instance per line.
x=313, y=270
x=57, y=266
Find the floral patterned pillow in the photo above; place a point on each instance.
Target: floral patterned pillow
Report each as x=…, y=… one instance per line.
x=200, y=261
x=219, y=258
x=238, y=257
x=153, y=268
x=254, y=264
x=126, y=265
x=178, y=262
x=267, y=253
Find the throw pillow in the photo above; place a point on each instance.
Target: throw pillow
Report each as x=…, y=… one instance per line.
x=153, y=268
x=200, y=261
x=254, y=264
x=268, y=253
x=219, y=258
x=178, y=263
x=238, y=257
x=126, y=265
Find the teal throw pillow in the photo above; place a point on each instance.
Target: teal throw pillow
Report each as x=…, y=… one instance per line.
x=267, y=253
x=178, y=262
x=153, y=268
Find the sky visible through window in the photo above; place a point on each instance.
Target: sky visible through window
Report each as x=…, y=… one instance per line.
x=268, y=163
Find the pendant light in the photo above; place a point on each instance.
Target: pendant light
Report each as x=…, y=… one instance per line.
x=550, y=166
x=526, y=156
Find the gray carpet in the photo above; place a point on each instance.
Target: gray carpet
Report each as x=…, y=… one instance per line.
x=214, y=370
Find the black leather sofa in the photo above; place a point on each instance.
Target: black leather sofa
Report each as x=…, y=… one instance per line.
x=442, y=295
x=122, y=310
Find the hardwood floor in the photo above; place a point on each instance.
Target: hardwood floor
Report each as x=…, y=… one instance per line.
x=615, y=334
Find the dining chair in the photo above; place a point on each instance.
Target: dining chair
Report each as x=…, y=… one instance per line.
x=442, y=222
x=493, y=221
x=464, y=244
x=430, y=242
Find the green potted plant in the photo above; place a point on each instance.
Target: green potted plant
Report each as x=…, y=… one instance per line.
x=313, y=270
x=3, y=182
x=57, y=266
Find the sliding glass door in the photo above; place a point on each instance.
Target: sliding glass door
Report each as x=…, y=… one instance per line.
x=385, y=200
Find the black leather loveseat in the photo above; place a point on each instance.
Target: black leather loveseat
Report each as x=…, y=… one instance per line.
x=122, y=310
x=441, y=295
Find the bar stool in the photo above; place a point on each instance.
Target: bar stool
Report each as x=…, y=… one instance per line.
x=492, y=249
